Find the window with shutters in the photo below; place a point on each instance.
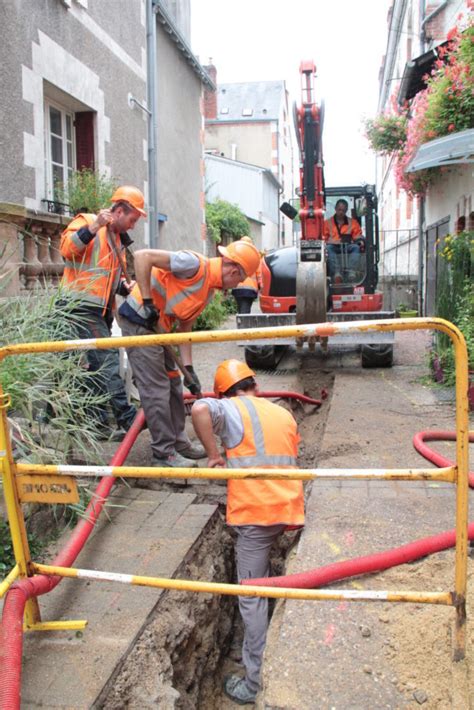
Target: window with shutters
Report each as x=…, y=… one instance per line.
x=69, y=144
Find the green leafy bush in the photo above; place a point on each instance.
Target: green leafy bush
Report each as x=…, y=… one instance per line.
x=215, y=313
x=86, y=191
x=223, y=218
x=7, y=556
x=455, y=299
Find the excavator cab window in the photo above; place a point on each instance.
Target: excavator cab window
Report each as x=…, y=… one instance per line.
x=345, y=239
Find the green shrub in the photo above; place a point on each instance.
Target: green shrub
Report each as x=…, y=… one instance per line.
x=215, y=313
x=223, y=218
x=7, y=557
x=455, y=299
x=86, y=191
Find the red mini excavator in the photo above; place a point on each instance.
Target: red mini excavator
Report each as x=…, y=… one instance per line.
x=296, y=285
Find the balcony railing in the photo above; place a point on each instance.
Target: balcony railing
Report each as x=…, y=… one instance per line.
x=29, y=248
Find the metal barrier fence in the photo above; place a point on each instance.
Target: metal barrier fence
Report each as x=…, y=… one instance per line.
x=23, y=482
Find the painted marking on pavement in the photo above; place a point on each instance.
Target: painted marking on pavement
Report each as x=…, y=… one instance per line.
x=329, y=634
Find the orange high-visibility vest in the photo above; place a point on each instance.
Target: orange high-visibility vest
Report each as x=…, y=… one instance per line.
x=179, y=299
x=91, y=271
x=352, y=229
x=271, y=441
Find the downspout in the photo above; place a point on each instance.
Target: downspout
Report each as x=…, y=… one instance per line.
x=421, y=256
x=279, y=180
x=421, y=203
x=427, y=19
x=395, y=29
x=152, y=121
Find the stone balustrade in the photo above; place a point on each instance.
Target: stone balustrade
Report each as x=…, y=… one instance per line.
x=29, y=249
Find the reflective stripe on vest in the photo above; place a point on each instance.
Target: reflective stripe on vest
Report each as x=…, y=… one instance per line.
x=270, y=440
x=93, y=276
x=261, y=459
x=187, y=291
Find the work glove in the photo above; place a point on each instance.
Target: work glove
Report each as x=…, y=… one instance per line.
x=151, y=314
x=361, y=244
x=195, y=386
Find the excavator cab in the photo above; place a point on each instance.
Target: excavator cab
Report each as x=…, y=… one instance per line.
x=356, y=259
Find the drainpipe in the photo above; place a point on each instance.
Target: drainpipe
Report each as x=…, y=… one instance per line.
x=421, y=202
x=152, y=122
x=427, y=19
x=278, y=178
x=395, y=29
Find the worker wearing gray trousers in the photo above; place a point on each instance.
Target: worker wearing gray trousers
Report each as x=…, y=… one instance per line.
x=172, y=289
x=254, y=433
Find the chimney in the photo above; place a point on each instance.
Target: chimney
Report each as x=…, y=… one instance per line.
x=210, y=97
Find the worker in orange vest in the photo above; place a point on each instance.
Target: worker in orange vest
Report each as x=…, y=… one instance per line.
x=173, y=288
x=90, y=246
x=254, y=433
x=343, y=236
x=247, y=290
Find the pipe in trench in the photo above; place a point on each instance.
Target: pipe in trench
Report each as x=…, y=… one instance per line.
x=382, y=560
x=11, y=634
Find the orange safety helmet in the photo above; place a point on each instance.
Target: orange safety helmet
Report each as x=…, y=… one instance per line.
x=243, y=253
x=132, y=195
x=228, y=373
x=246, y=239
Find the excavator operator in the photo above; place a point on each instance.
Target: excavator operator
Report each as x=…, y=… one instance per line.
x=343, y=236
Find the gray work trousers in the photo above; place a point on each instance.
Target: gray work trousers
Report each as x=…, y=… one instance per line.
x=161, y=396
x=253, y=560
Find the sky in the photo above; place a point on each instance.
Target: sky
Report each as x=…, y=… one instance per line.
x=265, y=40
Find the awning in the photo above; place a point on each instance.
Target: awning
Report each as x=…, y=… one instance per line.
x=455, y=149
x=415, y=70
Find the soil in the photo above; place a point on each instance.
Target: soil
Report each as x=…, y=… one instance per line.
x=419, y=637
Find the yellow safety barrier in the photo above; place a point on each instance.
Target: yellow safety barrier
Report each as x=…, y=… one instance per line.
x=15, y=475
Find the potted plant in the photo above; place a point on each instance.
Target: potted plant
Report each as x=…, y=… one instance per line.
x=404, y=311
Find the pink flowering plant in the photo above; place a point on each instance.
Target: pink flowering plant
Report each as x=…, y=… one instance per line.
x=386, y=133
x=445, y=106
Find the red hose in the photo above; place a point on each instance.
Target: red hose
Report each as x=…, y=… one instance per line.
x=11, y=633
x=274, y=394
x=381, y=560
x=441, y=461
x=363, y=565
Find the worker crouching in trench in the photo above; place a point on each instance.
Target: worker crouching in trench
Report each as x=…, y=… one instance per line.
x=254, y=433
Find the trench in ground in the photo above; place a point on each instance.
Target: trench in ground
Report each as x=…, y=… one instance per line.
x=191, y=641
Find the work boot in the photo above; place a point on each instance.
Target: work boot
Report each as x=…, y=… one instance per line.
x=174, y=460
x=193, y=451
x=237, y=690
